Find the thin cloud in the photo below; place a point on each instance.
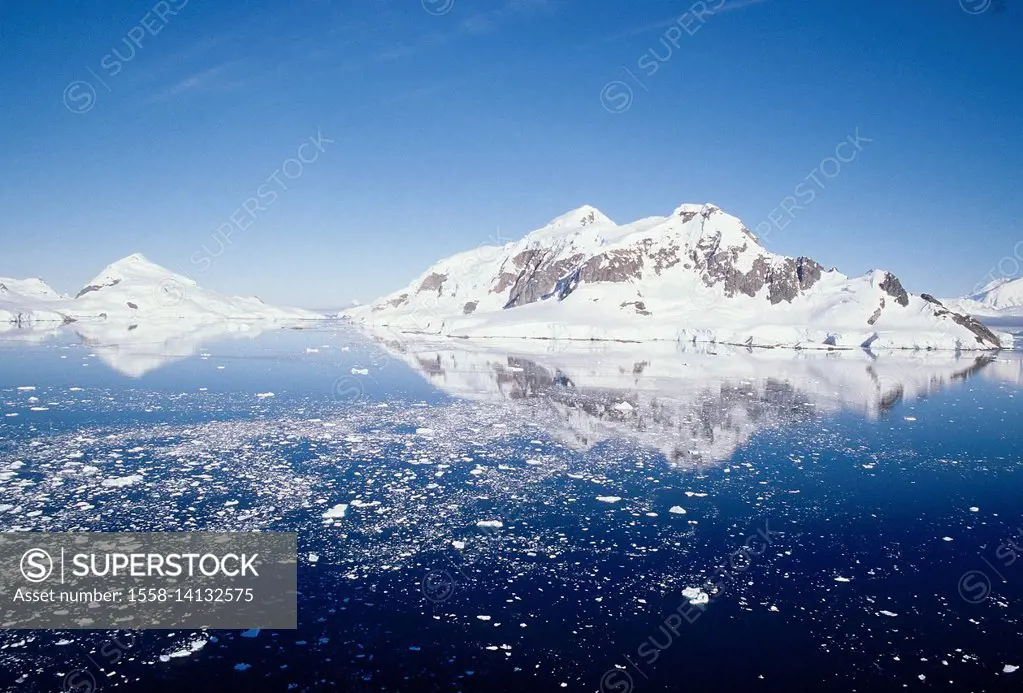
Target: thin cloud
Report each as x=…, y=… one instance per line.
x=488, y=21
x=665, y=23
x=204, y=79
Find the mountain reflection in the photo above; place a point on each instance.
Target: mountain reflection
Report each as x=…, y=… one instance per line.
x=135, y=348
x=695, y=404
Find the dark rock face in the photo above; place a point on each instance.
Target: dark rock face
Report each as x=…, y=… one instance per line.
x=783, y=282
x=539, y=277
x=394, y=302
x=640, y=307
x=510, y=275
x=469, y=307
x=535, y=275
x=979, y=330
x=435, y=282
x=132, y=306
x=96, y=287
x=877, y=314
x=614, y=266
x=893, y=287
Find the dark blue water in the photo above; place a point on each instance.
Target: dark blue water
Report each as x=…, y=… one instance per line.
x=850, y=518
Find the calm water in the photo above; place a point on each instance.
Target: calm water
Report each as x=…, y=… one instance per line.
x=528, y=516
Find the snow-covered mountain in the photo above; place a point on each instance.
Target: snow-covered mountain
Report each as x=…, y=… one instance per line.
x=23, y=301
x=1000, y=298
x=696, y=275
x=134, y=288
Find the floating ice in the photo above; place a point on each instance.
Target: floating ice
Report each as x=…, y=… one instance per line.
x=120, y=481
x=677, y=510
x=695, y=595
x=496, y=524
x=609, y=499
x=338, y=511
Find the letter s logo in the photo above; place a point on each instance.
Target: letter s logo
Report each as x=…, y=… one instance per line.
x=36, y=565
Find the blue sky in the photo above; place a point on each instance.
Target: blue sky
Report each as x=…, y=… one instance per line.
x=442, y=124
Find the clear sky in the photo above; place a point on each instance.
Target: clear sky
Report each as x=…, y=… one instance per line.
x=455, y=122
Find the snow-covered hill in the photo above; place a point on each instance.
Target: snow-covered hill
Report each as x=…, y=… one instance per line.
x=134, y=289
x=24, y=301
x=1000, y=298
x=696, y=275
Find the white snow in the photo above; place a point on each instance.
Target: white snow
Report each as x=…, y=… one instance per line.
x=658, y=297
x=133, y=289
x=999, y=298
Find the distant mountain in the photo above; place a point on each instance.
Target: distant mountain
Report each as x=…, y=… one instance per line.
x=697, y=275
x=1000, y=298
x=24, y=301
x=134, y=288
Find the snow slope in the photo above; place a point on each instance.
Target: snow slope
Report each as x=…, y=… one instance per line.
x=696, y=275
x=134, y=289
x=1000, y=298
x=24, y=301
